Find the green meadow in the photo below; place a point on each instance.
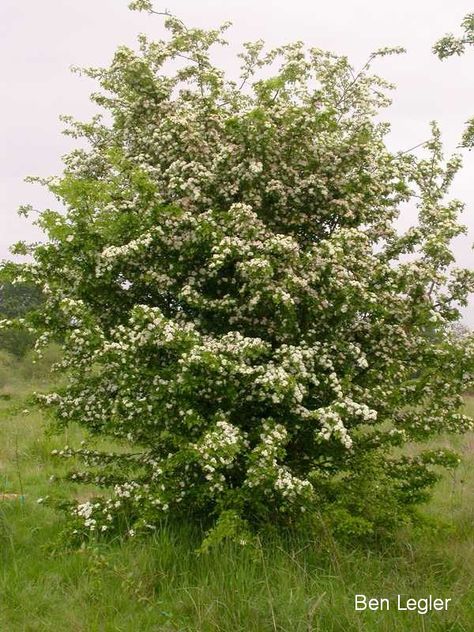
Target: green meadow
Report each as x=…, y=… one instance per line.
x=291, y=582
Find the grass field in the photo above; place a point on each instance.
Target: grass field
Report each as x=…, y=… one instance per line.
x=294, y=583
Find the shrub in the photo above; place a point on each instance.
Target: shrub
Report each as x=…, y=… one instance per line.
x=236, y=304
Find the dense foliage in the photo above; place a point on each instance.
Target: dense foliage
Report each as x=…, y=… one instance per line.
x=236, y=304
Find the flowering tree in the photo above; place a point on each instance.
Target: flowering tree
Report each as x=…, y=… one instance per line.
x=236, y=306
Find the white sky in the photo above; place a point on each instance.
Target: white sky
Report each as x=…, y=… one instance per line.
x=39, y=41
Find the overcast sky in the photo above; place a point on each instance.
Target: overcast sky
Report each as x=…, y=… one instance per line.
x=39, y=41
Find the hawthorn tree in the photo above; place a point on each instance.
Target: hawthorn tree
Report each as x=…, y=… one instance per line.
x=236, y=305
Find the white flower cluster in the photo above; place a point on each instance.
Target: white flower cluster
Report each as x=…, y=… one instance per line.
x=332, y=426
x=268, y=474
x=217, y=451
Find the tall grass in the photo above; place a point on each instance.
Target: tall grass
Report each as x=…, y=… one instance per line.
x=292, y=582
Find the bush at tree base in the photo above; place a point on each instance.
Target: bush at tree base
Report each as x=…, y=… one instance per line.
x=236, y=305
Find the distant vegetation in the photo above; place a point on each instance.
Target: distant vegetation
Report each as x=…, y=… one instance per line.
x=16, y=301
